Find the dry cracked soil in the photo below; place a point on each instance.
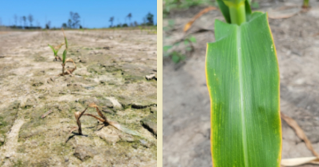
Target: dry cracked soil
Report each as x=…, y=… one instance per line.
x=186, y=105
x=37, y=106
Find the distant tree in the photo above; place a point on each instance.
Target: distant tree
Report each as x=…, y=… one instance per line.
x=124, y=25
x=75, y=18
x=30, y=19
x=24, y=20
x=47, y=25
x=149, y=18
x=129, y=16
x=69, y=23
x=111, y=20
x=64, y=25
x=135, y=24
x=21, y=20
x=81, y=27
x=16, y=20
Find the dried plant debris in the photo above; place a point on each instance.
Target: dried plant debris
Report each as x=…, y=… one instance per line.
x=46, y=114
x=68, y=71
x=300, y=133
x=190, y=23
x=100, y=118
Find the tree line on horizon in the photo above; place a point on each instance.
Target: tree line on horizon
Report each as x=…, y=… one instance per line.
x=75, y=23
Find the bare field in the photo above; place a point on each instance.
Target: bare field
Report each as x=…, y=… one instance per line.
x=111, y=70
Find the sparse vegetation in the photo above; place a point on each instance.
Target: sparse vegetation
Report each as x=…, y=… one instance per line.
x=64, y=59
x=178, y=56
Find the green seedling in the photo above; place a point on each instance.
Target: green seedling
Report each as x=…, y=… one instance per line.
x=305, y=4
x=100, y=118
x=55, y=51
x=64, y=59
x=175, y=55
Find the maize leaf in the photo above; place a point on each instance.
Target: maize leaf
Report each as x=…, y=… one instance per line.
x=54, y=51
x=64, y=56
x=243, y=81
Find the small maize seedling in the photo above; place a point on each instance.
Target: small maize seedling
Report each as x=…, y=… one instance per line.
x=305, y=4
x=102, y=119
x=64, y=59
x=55, y=51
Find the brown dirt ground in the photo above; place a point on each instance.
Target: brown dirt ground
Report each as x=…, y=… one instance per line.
x=111, y=70
x=186, y=112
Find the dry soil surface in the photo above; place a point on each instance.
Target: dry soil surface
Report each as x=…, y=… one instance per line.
x=186, y=101
x=111, y=70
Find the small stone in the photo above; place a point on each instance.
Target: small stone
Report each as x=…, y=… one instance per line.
x=83, y=153
x=105, y=102
x=116, y=103
x=135, y=146
x=151, y=76
x=153, y=109
x=127, y=138
x=150, y=123
x=109, y=134
x=37, y=82
x=107, y=110
x=145, y=143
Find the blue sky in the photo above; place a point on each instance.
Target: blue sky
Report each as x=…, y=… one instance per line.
x=93, y=13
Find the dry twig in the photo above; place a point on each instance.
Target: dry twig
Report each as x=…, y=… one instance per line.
x=300, y=133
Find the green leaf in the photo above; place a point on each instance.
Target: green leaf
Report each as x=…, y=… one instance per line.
x=55, y=52
x=51, y=47
x=186, y=42
x=64, y=56
x=247, y=8
x=224, y=9
x=255, y=5
x=167, y=47
x=175, y=58
x=66, y=42
x=243, y=82
x=192, y=39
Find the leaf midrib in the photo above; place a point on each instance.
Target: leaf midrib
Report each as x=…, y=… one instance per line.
x=240, y=73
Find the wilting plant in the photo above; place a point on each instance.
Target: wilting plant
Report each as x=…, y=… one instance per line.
x=243, y=82
x=56, y=50
x=100, y=118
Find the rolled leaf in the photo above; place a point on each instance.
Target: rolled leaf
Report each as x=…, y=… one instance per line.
x=243, y=82
x=64, y=56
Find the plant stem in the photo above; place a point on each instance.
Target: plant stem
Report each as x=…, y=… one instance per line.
x=305, y=4
x=63, y=68
x=237, y=13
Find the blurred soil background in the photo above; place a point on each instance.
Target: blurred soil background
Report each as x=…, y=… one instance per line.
x=186, y=115
x=37, y=106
